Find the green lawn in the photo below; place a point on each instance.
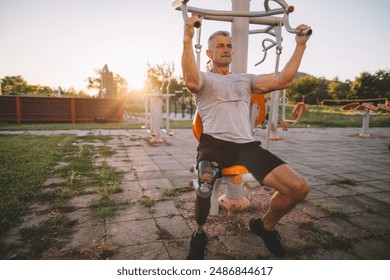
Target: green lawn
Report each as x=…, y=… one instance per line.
x=316, y=116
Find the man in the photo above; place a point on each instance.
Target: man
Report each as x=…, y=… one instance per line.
x=222, y=99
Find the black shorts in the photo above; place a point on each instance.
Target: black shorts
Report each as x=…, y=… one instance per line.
x=257, y=160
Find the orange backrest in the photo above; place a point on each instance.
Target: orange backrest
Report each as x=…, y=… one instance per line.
x=260, y=100
x=299, y=110
x=197, y=126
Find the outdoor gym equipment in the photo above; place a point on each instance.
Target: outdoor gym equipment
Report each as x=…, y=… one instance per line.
x=365, y=110
x=297, y=113
x=240, y=18
x=154, y=113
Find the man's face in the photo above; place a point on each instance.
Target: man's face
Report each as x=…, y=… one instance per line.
x=221, y=51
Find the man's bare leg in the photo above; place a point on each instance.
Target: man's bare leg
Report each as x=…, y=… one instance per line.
x=291, y=189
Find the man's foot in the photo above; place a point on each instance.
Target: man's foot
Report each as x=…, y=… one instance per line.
x=271, y=238
x=198, y=246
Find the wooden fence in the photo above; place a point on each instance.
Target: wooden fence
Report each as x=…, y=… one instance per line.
x=32, y=109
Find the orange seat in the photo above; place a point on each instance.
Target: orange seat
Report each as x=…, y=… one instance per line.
x=350, y=106
x=384, y=107
x=235, y=171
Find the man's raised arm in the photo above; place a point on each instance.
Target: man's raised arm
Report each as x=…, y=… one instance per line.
x=189, y=66
x=270, y=82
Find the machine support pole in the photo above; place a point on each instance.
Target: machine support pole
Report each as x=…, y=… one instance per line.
x=240, y=34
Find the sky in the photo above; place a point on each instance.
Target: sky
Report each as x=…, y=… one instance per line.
x=62, y=42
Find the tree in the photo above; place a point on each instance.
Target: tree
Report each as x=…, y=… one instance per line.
x=362, y=86
x=322, y=90
x=16, y=85
x=158, y=76
x=372, y=86
x=120, y=85
x=305, y=88
x=338, y=90
x=382, y=84
x=73, y=92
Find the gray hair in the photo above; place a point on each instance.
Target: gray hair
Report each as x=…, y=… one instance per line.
x=215, y=34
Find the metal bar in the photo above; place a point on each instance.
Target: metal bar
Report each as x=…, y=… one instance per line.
x=290, y=29
x=167, y=112
x=269, y=20
x=264, y=30
x=282, y=3
x=266, y=48
x=273, y=114
x=198, y=46
x=288, y=9
x=182, y=5
x=204, y=12
x=255, y=17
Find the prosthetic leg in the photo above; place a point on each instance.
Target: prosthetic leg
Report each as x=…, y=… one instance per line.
x=207, y=174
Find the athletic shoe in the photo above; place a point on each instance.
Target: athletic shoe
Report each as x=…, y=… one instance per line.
x=198, y=246
x=271, y=238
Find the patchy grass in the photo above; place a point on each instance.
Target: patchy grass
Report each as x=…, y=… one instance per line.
x=331, y=213
x=176, y=191
x=322, y=240
x=348, y=182
x=27, y=162
x=103, y=208
x=50, y=233
x=149, y=203
x=329, y=241
x=95, y=138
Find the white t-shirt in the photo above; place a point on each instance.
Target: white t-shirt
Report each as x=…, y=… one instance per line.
x=223, y=104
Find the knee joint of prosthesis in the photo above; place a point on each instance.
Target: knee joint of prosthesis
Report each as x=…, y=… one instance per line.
x=207, y=174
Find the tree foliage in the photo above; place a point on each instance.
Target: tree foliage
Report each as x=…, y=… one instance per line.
x=120, y=83
x=339, y=90
x=308, y=88
x=313, y=90
x=305, y=88
x=160, y=75
x=372, y=86
x=16, y=85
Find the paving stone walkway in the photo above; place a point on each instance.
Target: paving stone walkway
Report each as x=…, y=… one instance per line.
x=345, y=216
